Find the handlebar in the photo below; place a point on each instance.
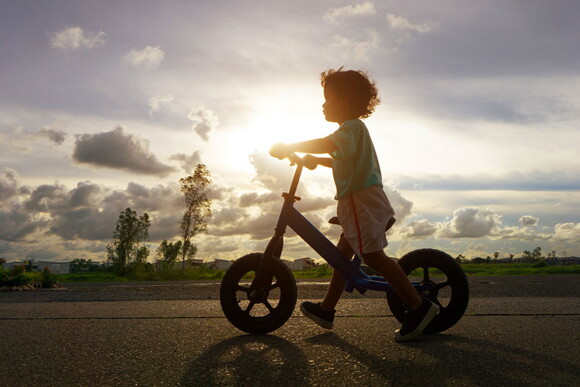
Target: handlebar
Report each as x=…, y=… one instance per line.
x=295, y=159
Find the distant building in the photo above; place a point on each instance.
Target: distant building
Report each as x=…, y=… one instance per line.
x=300, y=263
x=189, y=263
x=53, y=267
x=221, y=264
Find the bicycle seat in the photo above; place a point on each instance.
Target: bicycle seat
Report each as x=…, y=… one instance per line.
x=334, y=220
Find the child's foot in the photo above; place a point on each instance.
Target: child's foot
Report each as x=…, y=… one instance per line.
x=317, y=314
x=416, y=321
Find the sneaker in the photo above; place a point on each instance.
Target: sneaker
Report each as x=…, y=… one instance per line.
x=416, y=321
x=315, y=313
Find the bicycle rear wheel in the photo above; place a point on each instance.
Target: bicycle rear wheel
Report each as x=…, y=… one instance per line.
x=442, y=281
x=257, y=310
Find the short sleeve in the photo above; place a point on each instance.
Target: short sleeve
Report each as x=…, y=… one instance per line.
x=343, y=138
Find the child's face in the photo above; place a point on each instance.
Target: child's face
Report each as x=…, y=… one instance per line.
x=334, y=107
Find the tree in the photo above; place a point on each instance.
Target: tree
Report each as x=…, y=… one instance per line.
x=197, y=208
x=495, y=255
x=2, y=262
x=527, y=255
x=167, y=253
x=127, y=248
x=537, y=254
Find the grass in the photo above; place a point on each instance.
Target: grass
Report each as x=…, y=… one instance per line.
x=321, y=272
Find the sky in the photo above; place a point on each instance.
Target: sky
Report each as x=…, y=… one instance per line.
x=106, y=105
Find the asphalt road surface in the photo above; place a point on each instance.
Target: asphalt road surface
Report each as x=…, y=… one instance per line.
x=518, y=331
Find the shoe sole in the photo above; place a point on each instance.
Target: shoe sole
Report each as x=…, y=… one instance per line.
x=323, y=323
x=433, y=311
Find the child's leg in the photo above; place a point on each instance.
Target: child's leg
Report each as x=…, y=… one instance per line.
x=395, y=276
x=337, y=282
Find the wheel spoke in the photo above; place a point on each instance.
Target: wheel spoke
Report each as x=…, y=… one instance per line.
x=250, y=306
x=426, y=273
x=274, y=286
x=268, y=305
x=441, y=285
x=241, y=288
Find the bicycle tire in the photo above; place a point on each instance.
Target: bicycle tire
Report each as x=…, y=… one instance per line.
x=244, y=316
x=450, y=313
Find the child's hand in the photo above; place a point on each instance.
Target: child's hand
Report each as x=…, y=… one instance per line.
x=280, y=150
x=310, y=162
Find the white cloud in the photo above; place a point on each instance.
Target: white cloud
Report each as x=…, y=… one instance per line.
x=470, y=222
x=335, y=14
x=528, y=220
x=156, y=102
x=402, y=24
x=204, y=121
x=74, y=38
x=567, y=232
x=149, y=57
x=420, y=229
x=357, y=50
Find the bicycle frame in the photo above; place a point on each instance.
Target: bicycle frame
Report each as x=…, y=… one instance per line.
x=291, y=217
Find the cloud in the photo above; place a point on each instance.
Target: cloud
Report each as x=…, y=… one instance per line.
x=356, y=49
x=188, y=162
x=400, y=204
x=567, y=232
x=87, y=212
x=149, y=57
x=528, y=220
x=19, y=134
x=334, y=15
x=157, y=101
x=74, y=38
x=470, y=222
x=204, y=121
x=118, y=150
x=54, y=135
x=419, y=229
x=399, y=23
x=8, y=184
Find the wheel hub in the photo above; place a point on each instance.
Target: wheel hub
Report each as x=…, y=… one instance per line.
x=257, y=295
x=429, y=290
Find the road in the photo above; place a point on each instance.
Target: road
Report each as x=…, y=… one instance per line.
x=156, y=335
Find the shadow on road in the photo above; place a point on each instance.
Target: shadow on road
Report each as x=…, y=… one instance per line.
x=249, y=359
x=456, y=359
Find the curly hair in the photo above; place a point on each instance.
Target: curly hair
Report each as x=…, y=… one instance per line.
x=356, y=85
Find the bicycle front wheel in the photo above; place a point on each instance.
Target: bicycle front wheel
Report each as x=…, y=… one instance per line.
x=257, y=310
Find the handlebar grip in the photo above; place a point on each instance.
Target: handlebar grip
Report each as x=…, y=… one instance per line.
x=295, y=159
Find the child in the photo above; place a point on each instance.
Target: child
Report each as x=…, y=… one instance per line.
x=363, y=208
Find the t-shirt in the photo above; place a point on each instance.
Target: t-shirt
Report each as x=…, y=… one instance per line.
x=354, y=163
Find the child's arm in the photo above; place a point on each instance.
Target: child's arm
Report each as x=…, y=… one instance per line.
x=320, y=145
x=311, y=162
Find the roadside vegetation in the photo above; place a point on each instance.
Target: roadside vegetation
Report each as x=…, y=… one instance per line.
x=318, y=272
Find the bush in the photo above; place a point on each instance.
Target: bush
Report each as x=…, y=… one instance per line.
x=48, y=279
x=14, y=277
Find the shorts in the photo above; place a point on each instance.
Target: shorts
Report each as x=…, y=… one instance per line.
x=364, y=215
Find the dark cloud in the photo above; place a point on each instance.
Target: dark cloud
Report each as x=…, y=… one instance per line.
x=254, y=199
x=8, y=184
x=118, y=150
x=188, y=162
x=509, y=181
x=54, y=135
